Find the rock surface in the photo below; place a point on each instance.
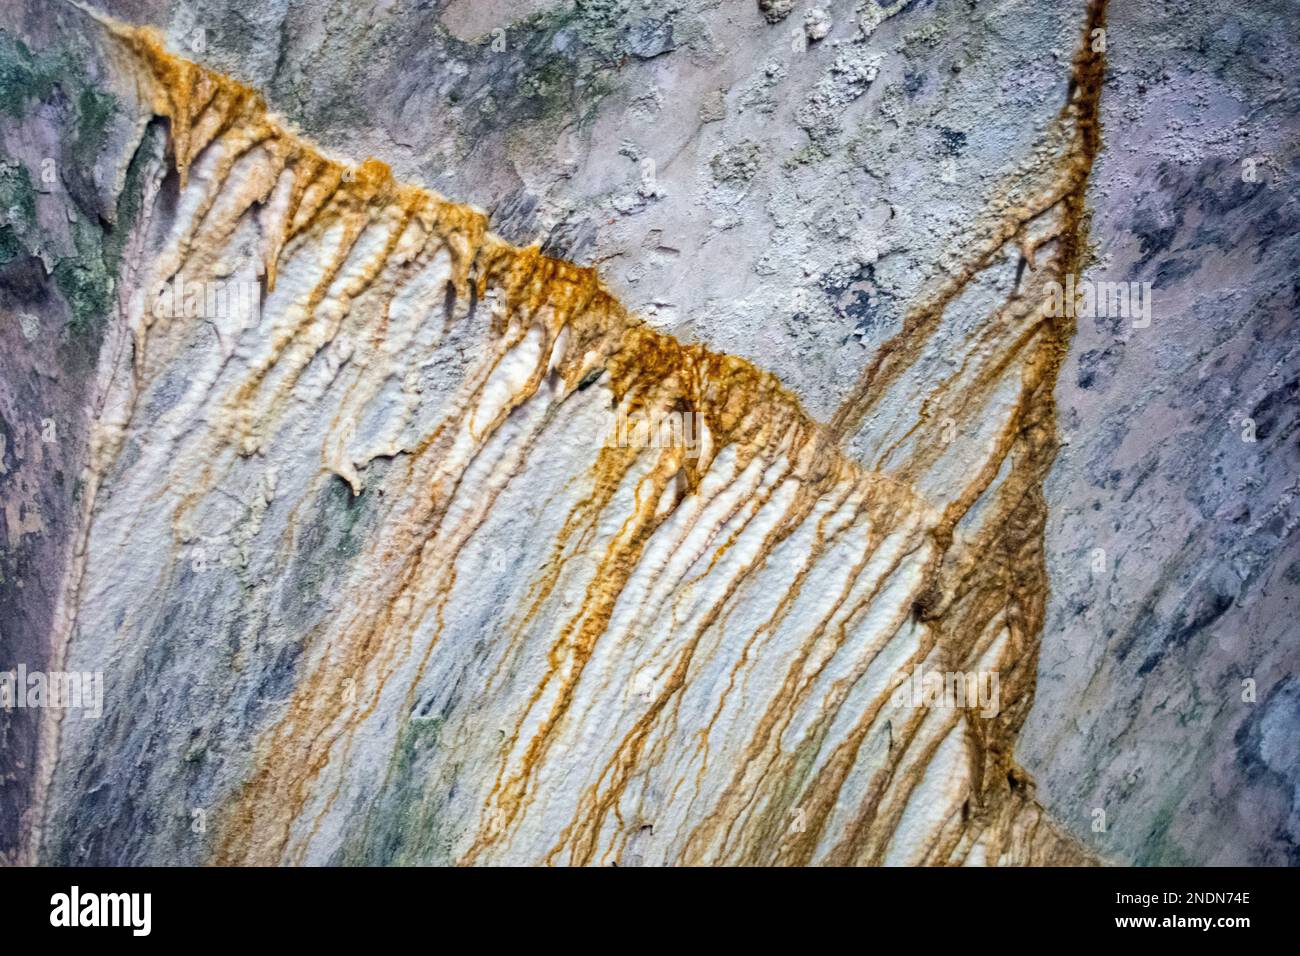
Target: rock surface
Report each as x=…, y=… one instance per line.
x=368, y=583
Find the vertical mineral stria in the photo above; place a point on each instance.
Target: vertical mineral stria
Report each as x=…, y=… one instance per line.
x=399, y=541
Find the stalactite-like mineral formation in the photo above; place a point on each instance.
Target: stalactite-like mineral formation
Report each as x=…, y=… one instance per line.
x=516, y=578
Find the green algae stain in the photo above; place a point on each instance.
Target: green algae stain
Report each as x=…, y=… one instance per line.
x=405, y=827
x=23, y=76
x=17, y=210
x=86, y=280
